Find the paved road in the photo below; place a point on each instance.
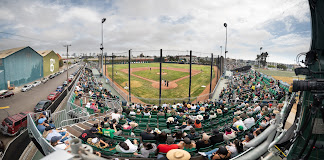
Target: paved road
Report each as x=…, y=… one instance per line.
x=26, y=101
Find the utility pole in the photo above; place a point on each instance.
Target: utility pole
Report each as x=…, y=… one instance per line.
x=101, y=48
x=67, y=57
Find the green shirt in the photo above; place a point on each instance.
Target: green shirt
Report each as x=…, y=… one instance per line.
x=108, y=132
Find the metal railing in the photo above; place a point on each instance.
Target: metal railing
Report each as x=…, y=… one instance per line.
x=33, y=132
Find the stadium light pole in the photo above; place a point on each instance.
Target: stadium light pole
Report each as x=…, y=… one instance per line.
x=101, y=47
x=260, y=55
x=67, y=57
x=225, y=25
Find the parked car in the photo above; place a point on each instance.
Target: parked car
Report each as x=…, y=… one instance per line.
x=42, y=105
x=51, y=76
x=53, y=95
x=14, y=124
x=36, y=83
x=59, y=89
x=6, y=94
x=26, y=87
x=65, y=83
x=44, y=80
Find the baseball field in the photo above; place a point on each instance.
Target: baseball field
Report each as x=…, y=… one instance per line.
x=145, y=81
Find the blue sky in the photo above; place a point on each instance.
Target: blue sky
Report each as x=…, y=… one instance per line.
x=282, y=28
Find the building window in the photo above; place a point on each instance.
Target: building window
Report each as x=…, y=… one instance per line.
x=1, y=63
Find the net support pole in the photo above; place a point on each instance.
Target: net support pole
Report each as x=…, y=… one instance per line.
x=211, y=75
x=129, y=76
x=160, y=85
x=105, y=63
x=112, y=67
x=190, y=62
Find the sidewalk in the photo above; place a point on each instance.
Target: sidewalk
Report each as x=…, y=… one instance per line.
x=222, y=84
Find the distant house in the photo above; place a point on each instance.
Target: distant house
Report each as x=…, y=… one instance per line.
x=19, y=66
x=50, y=62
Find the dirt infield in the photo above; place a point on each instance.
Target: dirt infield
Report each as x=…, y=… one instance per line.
x=156, y=84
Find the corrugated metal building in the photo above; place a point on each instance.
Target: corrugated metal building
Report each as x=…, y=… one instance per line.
x=50, y=62
x=19, y=66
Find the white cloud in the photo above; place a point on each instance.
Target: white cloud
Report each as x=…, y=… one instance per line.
x=167, y=24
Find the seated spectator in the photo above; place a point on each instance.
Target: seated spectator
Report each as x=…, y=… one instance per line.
x=217, y=153
x=243, y=115
x=165, y=148
x=248, y=138
x=212, y=115
x=178, y=135
x=206, y=116
x=95, y=108
x=197, y=124
x=240, y=130
x=41, y=125
x=187, y=145
x=147, y=135
x=193, y=134
x=57, y=144
x=235, y=148
x=256, y=133
x=116, y=115
x=237, y=121
x=204, y=142
x=229, y=134
x=216, y=137
x=146, y=112
x=127, y=146
x=161, y=113
x=146, y=149
x=88, y=134
x=111, y=132
x=51, y=132
x=249, y=121
x=161, y=138
x=138, y=112
x=170, y=121
x=97, y=143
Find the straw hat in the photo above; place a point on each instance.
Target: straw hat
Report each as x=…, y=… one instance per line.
x=170, y=119
x=200, y=117
x=178, y=154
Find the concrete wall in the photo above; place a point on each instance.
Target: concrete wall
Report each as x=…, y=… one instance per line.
x=50, y=63
x=23, y=67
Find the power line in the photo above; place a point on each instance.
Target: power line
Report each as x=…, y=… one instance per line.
x=23, y=36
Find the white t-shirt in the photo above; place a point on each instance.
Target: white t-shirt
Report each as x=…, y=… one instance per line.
x=240, y=122
x=60, y=146
x=233, y=150
x=115, y=116
x=193, y=107
x=249, y=122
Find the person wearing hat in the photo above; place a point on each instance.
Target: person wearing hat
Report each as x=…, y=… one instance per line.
x=203, y=142
x=217, y=137
x=187, y=145
x=57, y=144
x=51, y=132
x=178, y=154
x=107, y=131
x=148, y=135
x=41, y=125
x=165, y=148
x=238, y=121
x=88, y=133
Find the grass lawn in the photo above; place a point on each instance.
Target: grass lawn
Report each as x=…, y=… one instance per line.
x=145, y=90
x=170, y=76
x=285, y=76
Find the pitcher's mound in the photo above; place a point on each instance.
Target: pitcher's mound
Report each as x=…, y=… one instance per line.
x=162, y=73
x=134, y=84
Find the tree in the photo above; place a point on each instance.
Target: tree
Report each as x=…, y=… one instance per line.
x=141, y=55
x=282, y=66
x=61, y=63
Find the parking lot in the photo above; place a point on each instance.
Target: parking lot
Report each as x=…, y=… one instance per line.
x=26, y=101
